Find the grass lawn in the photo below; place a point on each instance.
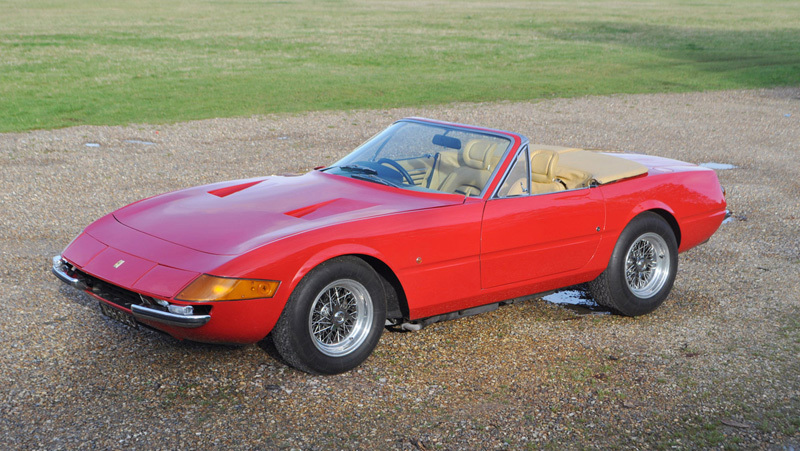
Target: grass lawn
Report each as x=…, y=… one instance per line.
x=74, y=62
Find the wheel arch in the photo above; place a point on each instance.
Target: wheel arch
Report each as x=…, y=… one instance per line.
x=396, y=301
x=662, y=210
x=671, y=221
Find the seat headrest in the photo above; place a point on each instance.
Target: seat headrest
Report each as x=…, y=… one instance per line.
x=477, y=152
x=543, y=165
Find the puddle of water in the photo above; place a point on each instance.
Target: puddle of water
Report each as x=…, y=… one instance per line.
x=139, y=141
x=728, y=217
x=92, y=145
x=719, y=166
x=579, y=301
x=731, y=217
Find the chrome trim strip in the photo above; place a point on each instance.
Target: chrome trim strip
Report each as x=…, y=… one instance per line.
x=142, y=313
x=60, y=271
x=522, y=148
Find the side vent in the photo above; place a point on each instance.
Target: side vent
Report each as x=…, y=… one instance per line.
x=227, y=191
x=300, y=212
x=329, y=208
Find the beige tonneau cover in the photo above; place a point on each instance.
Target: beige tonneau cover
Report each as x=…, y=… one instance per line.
x=601, y=167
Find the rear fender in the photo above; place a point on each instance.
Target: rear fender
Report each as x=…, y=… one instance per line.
x=659, y=208
x=616, y=223
x=648, y=205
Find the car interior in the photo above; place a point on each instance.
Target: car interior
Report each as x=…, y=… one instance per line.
x=467, y=170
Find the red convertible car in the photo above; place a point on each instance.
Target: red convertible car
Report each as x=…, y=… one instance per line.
x=426, y=221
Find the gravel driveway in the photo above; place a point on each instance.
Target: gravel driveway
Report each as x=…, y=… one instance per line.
x=716, y=365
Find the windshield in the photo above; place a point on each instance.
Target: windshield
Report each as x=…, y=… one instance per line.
x=426, y=157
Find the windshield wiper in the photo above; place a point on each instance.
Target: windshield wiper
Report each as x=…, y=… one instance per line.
x=358, y=168
x=369, y=177
x=364, y=173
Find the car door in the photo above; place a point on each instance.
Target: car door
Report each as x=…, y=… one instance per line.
x=528, y=237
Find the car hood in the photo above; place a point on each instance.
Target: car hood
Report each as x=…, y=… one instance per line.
x=231, y=218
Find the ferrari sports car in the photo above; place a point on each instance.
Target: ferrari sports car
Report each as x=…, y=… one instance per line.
x=426, y=221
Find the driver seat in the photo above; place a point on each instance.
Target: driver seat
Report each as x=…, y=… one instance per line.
x=476, y=161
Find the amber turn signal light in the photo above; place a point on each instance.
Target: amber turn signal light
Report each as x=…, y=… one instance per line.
x=211, y=288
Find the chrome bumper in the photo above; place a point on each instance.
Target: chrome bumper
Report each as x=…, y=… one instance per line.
x=60, y=270
x=140, y=312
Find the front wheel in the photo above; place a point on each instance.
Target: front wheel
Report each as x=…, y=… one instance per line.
x=642, y=268
x=333, y=319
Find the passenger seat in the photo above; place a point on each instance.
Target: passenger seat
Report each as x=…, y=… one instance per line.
x=543, y=172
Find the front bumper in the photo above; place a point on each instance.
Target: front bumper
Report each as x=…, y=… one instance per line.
x=63, y=270
x=142, y=313
x=60, y=268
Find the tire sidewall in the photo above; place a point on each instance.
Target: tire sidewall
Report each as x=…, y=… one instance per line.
x=626, y=302
x=296, y=343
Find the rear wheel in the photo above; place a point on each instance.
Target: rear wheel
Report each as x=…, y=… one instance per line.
x=333, y=319
x=642, y=268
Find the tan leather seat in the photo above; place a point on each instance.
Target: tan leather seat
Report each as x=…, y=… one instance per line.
x=543, y=172
x=476, y=161
x=518, y=188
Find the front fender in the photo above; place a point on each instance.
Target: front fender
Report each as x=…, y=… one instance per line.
x=336, y=250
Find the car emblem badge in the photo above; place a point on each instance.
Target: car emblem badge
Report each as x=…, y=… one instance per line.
x=118, y=264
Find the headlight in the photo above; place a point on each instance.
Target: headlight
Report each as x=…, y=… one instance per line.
x=211, y=288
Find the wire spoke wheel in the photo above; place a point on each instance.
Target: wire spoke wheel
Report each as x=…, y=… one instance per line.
x=647, y=265
x=340, y=317
x=642, y=267
x=333, y=318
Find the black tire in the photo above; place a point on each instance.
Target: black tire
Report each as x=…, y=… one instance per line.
x=642, y=267
x=333, y=318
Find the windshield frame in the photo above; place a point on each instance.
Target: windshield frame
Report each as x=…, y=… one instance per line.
x=377, y=143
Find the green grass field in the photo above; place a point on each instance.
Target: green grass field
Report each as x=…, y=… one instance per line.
x=75, y=62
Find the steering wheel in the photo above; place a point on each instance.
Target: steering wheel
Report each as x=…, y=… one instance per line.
x=399, y=169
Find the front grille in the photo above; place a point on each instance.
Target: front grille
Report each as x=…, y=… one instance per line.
x=125, y=298
x=110, y=292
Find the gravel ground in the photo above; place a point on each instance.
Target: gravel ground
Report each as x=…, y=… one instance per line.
x=715, y=366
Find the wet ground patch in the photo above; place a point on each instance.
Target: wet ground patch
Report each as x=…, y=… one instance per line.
x=577, y=299
x=719, y=166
